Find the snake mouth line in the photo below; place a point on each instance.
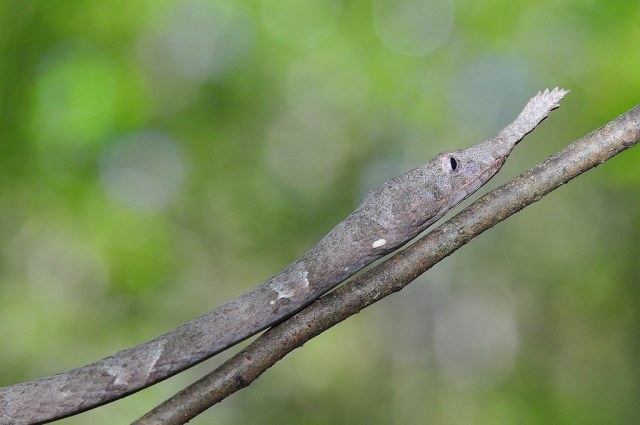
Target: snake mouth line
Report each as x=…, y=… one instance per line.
x=488, y=171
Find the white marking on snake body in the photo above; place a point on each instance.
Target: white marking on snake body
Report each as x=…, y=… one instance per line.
x=156, y=356
x=123, y=376
x=379, y=243
x=287, y=290
x=119, y=374
x=120, y=380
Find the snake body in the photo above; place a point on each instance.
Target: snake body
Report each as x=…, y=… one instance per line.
x=389, y=216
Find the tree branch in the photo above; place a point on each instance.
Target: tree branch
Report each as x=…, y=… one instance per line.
x=398, y=271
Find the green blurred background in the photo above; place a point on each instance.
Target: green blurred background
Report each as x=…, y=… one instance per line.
x=158, y=158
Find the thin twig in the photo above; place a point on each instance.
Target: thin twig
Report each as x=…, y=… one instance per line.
x=399, y=270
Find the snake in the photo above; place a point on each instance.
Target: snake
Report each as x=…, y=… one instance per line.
x=389, y=216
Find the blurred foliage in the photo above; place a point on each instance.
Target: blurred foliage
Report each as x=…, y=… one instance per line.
x=158, y=158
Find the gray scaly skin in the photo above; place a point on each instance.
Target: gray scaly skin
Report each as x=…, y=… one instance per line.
x=388, y=217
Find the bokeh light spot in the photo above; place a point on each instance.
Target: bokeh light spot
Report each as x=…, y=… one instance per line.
x=76, y=96
x=198, y=42
x=300, y=22
x=307, y=148
x=413, y=27
x=475, y=338
x=143, y=171
x=55, y=262
x=504, y=81
x=347, y=88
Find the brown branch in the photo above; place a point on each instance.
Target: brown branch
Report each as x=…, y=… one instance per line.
x=399, y=270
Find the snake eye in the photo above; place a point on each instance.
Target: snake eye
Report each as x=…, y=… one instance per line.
x=451, y=164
